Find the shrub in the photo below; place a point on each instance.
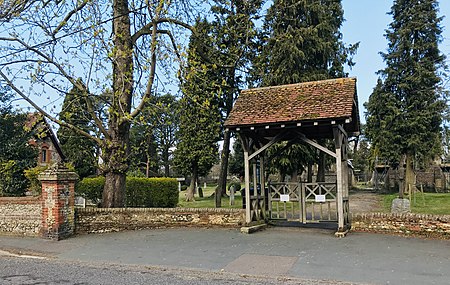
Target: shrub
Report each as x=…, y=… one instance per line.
x=32, y=174
x=141, y=192
x=12, y=179
x=91, y=188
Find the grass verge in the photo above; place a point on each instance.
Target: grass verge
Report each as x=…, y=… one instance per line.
x=426, y=203
x=207, y=201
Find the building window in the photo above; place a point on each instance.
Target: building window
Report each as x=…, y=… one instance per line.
x=45, y=155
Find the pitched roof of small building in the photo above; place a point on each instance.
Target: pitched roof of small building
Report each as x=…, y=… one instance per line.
x=37, y=122
x=309, y=102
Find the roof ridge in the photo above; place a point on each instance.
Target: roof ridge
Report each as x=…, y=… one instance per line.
x=320, y=82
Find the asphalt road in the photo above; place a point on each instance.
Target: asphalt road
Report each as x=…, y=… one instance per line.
x=15, y=271
x=220, y=255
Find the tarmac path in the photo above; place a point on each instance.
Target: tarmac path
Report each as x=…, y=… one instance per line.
x=269, y=256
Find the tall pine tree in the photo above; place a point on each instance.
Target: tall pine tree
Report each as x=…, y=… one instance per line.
x=79, y=150
x=301, y=42
x=197, y=147
x=404, y=113
x=233, y=35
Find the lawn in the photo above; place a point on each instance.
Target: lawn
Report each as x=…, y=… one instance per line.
x=207, y=201
x=427, y=203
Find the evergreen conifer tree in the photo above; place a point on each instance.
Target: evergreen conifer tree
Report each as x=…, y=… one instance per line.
x=16, y=155
x=79, y=150
x=199, y=128
x=301, y=42
x=404, y=113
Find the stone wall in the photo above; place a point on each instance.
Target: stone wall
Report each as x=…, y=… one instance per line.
x=429, y=226
x=20, y=216
x=100, y=220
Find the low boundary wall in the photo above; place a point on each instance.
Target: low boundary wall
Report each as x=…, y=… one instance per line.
x=101, y=220
x=428, y=226
x=25, y=216
x=20, y=216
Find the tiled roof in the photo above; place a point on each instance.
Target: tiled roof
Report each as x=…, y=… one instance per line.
x=326, y=99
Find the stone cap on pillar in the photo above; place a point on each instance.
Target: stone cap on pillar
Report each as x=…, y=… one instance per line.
x=58, y=172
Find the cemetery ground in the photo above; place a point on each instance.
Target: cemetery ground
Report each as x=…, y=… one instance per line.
x=361, y=201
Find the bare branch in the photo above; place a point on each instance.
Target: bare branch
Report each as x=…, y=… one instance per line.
x=71, y=80
x=11, y=9
x=147, y=29
x=68, y=16
x=151, y=78
x=47, y=115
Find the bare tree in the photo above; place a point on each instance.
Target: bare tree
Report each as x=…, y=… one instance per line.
x=53, y=46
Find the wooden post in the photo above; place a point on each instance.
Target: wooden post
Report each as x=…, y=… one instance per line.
x=263, y=184
x=247, y=187
x=255, y=189
x=255, y=179
x=339, y=178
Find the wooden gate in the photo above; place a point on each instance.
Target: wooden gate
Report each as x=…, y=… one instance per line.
x=303, y=202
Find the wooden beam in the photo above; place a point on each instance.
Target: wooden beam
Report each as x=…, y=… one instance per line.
x=274, y=140
x=316, y=145
x=244, y=142
x=341, y=128
x=337, y=134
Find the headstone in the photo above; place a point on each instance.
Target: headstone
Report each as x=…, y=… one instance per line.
x=400, y=206
x=232, y=190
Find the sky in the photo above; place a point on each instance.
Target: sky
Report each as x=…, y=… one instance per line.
x=366, y=22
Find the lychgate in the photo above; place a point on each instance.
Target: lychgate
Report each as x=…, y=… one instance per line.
x=297, y=113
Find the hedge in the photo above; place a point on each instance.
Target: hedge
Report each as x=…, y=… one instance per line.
x=140, y=192
x=152, y=192
x=91, y=188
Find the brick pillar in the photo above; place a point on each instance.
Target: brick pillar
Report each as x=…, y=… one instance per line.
x=58, y=202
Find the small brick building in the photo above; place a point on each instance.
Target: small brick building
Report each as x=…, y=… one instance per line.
x=44, y=139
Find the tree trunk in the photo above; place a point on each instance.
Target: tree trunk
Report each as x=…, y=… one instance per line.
x=221, y=189
x=117, y=144
x=321, y=167
x=410, y=177
x=310, y=173
x=294, y=175
x=191, y=190
x=166, y=162
x=114, y=190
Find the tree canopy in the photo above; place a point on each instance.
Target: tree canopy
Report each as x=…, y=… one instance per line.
x=16, y=155
x=79, y=150
x=112, y=46
x=301, y=42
